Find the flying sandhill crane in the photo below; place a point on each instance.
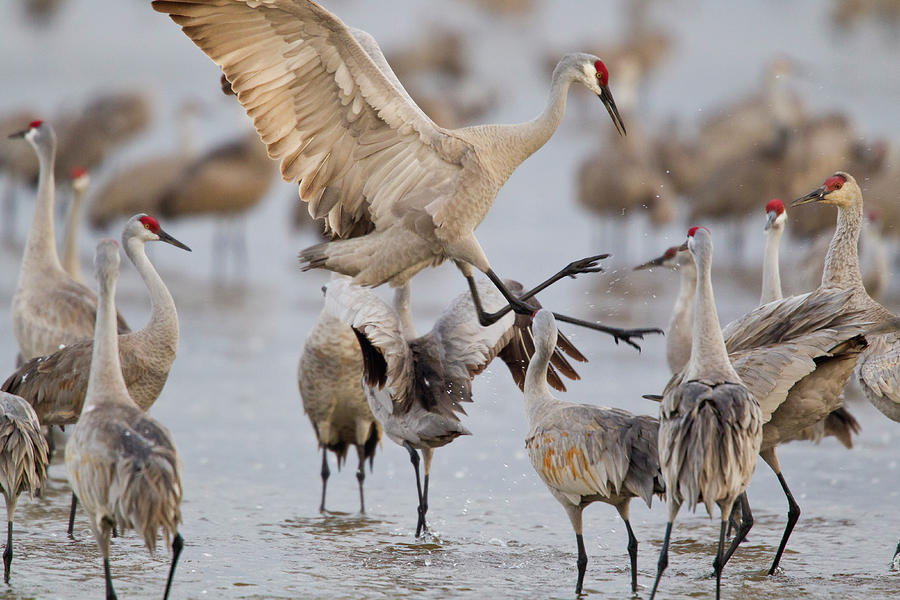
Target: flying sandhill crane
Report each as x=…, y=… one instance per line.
x=587, y=453
x=710, y=425
x=121, y=462
x=415, y=384
x=23, y=460
x=49, y=307
x=327, y=104
x=330, y=378
x=879, y=366
x=70, y=262
x=56, y=385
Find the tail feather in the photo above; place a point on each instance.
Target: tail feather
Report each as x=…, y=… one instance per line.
x=148, y=496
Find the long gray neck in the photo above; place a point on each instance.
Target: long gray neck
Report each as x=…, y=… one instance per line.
x=842, y=260
x=771, y=281
x=404, y=312
x=679, y=334
x=70, y=260
x=537, y=391
x=526, y=138
x=106, y=381
x=709, y=359
x=40, y=249
x=163, y=315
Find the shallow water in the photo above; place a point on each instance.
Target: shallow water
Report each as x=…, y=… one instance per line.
x=251, y=479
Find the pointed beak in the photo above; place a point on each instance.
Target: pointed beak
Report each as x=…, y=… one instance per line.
x=816, y=195
x=607, y=98
x=656, y=262
x=18, y=134
x=165, y=237
x=770, y=221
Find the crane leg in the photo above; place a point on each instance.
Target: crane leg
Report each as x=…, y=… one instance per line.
x=361, y=477
x=793, y=516
x=719, y=562
x=110, y=592
x=582, y=562
x=177, y=545
x=8, y=553
x=414, y=459
x=326, y=472
x=624, y=335
x=427, y=454
x=743, y=528
x=632, y=554
x=72, y=508
x=663, y=559
x=895, y=562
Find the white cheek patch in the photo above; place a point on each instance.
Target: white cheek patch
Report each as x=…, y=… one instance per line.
x=589, y=70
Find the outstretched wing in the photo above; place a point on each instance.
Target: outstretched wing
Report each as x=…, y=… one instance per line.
x=387, y=359
x=324, y=105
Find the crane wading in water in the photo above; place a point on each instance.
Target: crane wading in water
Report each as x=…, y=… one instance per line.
x=400, y=192
x=710, y=426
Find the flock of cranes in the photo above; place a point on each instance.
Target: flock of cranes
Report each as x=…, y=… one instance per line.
x=399, y=194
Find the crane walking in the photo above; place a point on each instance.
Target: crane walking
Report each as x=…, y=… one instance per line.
x=121, y=462
x=56, y=385
x=402, y=193
x=710, y=425
x=587, y=453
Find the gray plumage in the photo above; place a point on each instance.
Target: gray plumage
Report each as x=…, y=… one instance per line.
x=586, y=453
x=416, y=385
x=23, y=459
x=710, y=425
x=122, y=463
x=330, y=379
x=56, y=385
x=50, y=309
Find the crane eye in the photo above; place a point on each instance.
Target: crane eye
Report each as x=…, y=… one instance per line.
x=146, y=225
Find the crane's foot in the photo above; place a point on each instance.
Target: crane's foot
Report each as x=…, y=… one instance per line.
x=619, y=335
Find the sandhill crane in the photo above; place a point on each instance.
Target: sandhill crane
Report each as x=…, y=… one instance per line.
x=70, y=262
x=587, y=453
x=796, y=373
x=330, y=379
x=121, y=462
x=415, y=384
x=56, y=385
x=24, y=459
x=325, y=101
x=710, y=425
x=49, y=307
x=776, y=217
x=878, y=371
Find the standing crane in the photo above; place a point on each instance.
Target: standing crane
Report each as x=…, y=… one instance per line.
x=415, y=384
x=80, y=180
x=121, y=462
x=24, y=458
x=330, y=379
x=587, y=453
x=49, y=307
x=878, y=370
x=404, y=193
x=710, y=425
x=56, y=385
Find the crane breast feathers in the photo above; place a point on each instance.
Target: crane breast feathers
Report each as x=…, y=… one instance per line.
x=324, y=107
x=369, y=315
